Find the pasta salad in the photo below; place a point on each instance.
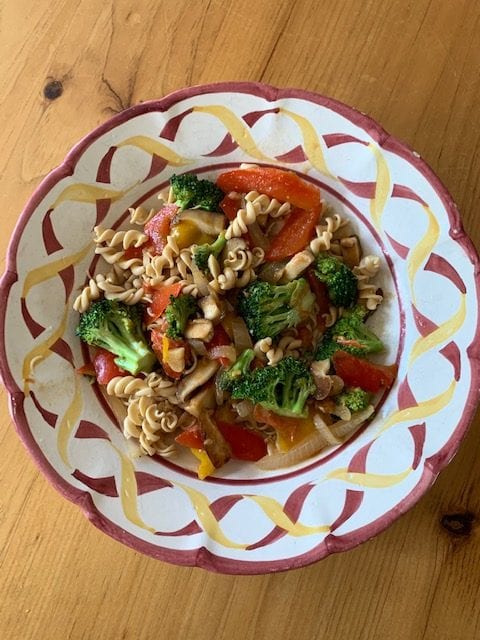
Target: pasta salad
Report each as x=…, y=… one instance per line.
x=232, y=319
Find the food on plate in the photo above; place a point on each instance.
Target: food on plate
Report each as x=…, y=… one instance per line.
x=232, y=320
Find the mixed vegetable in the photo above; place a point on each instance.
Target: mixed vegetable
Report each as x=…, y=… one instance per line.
x=269, y=364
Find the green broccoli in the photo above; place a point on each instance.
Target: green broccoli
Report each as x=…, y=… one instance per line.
x=239, y=369
x=177, y=313
x=268, y=308
x=204, y=251
x=355, y=399
x=191, y=193
x=340, y=281
x=351, y=334
x=116, y=327
x=282, y=388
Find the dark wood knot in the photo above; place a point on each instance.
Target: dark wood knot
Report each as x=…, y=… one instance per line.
x=458, y=524
x=53, y=90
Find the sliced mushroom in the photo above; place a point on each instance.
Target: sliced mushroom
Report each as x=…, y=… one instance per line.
x=350, y=251
x=204, y=399
x=336, y=249
x=324, y=386
x=297, y=265
x=337, y=385
x=201, y=374
x=271, y=272
x=217, y=448
x=199, y=329
x=207, y=221
x=210, y=308
x=176, y=359
x=327, y=385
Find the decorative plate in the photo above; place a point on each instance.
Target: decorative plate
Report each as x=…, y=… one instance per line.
x=245, y=521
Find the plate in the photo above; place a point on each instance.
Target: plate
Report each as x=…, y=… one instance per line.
x=245, y=521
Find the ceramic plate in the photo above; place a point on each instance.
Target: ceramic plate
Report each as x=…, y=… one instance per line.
x=245, y=521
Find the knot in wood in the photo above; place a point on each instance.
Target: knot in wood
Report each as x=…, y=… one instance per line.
x=458, y=524
x=53, y=90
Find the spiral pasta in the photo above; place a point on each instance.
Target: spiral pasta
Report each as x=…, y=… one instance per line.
x=112, y=238
x=228, y=278
x=266, y=207
x=88, y=294
x=325, y=232
x=129, y=386
x=140, y=215
x=367, y=291
x=330, y=318
x=287, y=346
x=239, y=225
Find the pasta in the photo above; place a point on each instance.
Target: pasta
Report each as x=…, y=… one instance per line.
x=367, y=291
x=288, y=345
x=191, y=285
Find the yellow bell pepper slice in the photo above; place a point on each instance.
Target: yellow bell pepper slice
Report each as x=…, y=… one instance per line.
x=205, y=468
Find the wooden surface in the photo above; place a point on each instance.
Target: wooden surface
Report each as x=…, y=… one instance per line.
x=66, y=66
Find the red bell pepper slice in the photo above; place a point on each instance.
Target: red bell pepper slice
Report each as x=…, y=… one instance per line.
x=157, y=229
x=283, y=185
x=230, y=206
x=245, y=444
x=295, y=235
x=161, y=299
x=220, y=339
x=191, y=438
x=134, y=252
x=87, y=369
x=105, y=367
x=357, y=372
x=320, y=291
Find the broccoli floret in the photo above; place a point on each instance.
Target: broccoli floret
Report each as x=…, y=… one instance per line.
x=177, y=313
x=191, y=193
x=340, y=281
x=283, y=388
x=117, y=327
x=355, y=399
x=268, y=308
x=239, y=369
x=202, y=253
x=351, y=334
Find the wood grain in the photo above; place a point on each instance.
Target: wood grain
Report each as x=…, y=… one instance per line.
x=411, y=65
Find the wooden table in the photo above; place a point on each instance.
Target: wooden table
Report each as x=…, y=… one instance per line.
x=66, y=66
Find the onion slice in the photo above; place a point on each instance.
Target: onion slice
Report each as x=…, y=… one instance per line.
x=344, y=428
x=200, y=279
x=314, y=443
x=223, y=351
x=241, y=337
x=244, y=408
x=198, y=346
